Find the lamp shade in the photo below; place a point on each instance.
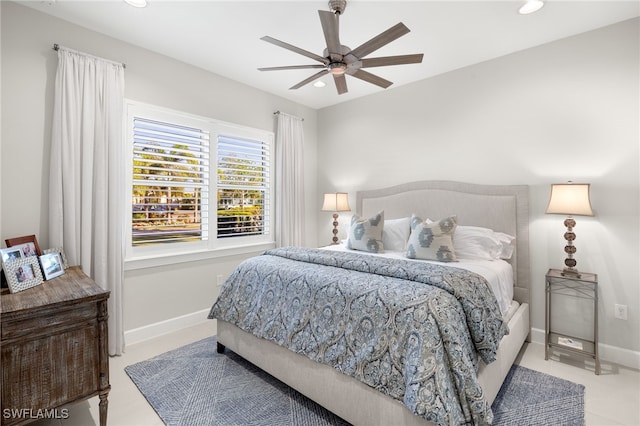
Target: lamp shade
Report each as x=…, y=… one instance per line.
x=336, y=202
x=570, y=199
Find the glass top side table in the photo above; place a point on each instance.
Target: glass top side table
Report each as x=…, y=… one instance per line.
x=586, y=287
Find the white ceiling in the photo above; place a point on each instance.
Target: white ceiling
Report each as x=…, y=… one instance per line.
x=224, y=36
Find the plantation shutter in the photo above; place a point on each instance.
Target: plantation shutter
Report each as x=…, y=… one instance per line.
x=243, y=186
x=170, y=182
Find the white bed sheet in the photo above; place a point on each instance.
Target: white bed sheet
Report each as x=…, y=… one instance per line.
x=498, y=272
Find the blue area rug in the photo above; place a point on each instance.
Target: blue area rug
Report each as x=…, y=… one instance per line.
x=195, y=386
x=528, y=397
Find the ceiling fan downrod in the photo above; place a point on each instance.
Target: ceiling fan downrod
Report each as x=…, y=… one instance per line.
x=337, y=6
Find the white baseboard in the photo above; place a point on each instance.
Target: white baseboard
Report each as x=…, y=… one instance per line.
x=621, y=356
x=157, y=329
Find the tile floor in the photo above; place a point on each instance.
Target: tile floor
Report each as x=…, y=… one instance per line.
x=612, y=398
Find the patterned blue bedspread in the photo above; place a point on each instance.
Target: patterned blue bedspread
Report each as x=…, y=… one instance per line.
x=411, y=330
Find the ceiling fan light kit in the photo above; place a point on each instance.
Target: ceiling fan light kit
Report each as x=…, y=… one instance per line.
x=337, y=68
x=339, y=60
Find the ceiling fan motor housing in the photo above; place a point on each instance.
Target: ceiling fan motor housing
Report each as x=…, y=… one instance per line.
x=337, y=6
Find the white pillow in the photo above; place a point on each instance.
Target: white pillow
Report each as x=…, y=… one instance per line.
x=508, y=244
x=432, y=240
x=366, y=234
x=396, y=233
x=474, y=242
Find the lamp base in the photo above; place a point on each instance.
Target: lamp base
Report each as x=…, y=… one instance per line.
x=570, y=272
x=570, y=263
x=334, y=240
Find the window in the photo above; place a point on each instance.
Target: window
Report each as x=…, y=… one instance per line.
x=170, y=186
x=178, y=204
x=243, y=186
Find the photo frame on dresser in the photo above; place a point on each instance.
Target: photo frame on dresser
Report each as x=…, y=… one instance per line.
x=27, y=249
x=60, y=251
x=28, y=241
x=52, y=265
x=23, y=273
x=10, y=254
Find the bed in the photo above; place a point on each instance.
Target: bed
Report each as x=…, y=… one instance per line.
x=500, y=208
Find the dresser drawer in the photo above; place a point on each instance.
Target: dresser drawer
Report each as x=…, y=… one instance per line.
x=33, y=378
x=47, y=321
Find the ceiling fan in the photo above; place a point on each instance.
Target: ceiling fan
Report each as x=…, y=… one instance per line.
x=339, y=60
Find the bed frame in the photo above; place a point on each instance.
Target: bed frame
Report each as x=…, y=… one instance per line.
x=499, y=207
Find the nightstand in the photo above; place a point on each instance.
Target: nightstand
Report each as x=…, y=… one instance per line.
x=585, y=287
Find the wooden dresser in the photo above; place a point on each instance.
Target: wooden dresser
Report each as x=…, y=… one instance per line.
x=54, y=348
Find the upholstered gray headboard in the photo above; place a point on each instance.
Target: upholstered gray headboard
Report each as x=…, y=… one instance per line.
x=502, y=208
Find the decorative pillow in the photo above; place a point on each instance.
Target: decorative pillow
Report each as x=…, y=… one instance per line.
x=474, y=242
x=366, y=234
x=396, y=233
x=432, y=240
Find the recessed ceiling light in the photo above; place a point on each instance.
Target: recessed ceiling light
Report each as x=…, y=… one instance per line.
x=530, y=6
x=319, y=83
x=136, y=3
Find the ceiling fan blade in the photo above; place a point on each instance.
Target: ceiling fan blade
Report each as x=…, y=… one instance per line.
x=371, y=78
x=392, y=60
x=341, y=83
x=330, y=28
x=291, y=67
x=380, y=40
x=295, y=49
x=309, y=80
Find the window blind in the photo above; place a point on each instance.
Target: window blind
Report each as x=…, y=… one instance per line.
x=243, y=181
x=170, y=182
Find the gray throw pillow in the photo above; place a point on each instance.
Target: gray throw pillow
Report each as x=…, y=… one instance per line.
x=432, y=240
x=366, y=234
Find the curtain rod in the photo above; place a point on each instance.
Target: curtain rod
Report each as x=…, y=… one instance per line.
x=57, y=47
x=280, y=112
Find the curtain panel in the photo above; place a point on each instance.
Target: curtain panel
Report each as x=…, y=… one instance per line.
x=85, y=185
x=289, y=181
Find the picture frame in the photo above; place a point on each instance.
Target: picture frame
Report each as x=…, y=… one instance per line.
x=7, y=255
x=27, y=249
x=59, y=250
x=10, y=254
x=23, y=274
x=11, y=242
x=52, y=265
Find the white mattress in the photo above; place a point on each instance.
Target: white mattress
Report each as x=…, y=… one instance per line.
x=498, y=273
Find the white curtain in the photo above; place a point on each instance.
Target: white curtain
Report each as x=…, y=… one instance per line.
x=289, y=181
x=85, y=185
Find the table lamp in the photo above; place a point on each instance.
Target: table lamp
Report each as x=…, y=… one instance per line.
x=570, y=199
x=336, y=202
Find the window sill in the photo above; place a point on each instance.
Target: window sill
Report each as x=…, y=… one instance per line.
x=133, y=264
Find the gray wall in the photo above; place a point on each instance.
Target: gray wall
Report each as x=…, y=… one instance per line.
x=567, y=110
x=28, y=72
